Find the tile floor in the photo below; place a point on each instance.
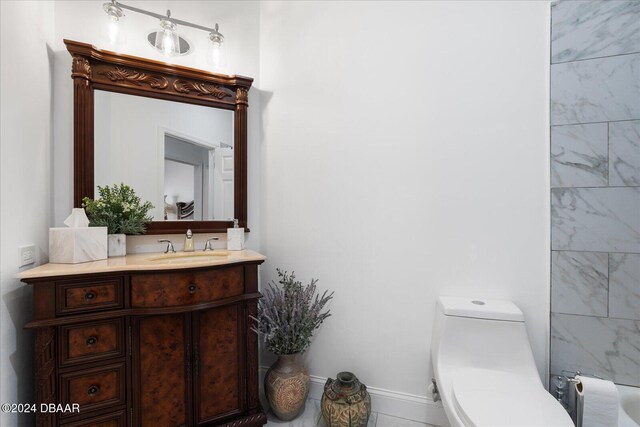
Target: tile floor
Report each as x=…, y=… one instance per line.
x=312, y=417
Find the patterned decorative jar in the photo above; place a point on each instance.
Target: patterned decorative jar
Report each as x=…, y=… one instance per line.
x=345, y=402
x=286, y=386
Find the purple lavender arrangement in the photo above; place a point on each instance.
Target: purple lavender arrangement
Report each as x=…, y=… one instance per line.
x=288, y=315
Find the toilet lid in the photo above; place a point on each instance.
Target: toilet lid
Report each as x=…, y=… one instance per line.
x=491, y=398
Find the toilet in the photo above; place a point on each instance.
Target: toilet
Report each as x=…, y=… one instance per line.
x=484, y=367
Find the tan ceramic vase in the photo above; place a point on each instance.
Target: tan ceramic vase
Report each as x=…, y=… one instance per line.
x=286, y=386
x=345, y=402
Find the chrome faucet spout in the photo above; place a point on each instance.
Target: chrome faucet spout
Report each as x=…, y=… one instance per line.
x=169, y=245
x=207, y=244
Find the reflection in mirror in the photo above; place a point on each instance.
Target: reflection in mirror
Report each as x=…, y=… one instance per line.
x=178, y=156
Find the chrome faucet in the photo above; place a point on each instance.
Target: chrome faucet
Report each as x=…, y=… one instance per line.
x=207, y=244
x=169, y=246
x=188, y=241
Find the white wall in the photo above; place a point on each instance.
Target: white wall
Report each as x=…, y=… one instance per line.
x=178, y=179
x=404, y=156
x=25, y=175
x=84, y=20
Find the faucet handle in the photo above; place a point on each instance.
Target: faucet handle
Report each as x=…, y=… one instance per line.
x=207, y=244
x=169, y=245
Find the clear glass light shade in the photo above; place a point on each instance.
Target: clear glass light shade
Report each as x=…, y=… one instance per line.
x=217, y=54
x=111, y=32
x=167, y=41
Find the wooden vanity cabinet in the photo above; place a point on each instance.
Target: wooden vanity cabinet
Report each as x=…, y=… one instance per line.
x=159, y=348
x=193, y=360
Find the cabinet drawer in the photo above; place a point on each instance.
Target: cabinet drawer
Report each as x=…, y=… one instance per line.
x=115, y=419
x=91, y=342
x=171, y=289
x=100, y=294
x=94, y=388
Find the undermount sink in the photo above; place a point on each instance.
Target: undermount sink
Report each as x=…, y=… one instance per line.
x=189, y=256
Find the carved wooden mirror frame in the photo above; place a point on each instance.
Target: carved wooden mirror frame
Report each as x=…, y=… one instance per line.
x=98, y=69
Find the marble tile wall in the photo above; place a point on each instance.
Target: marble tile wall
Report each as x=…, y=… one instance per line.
x=595, y=90
x=596, y=219
x=595, y=189
x=607, y=347
x=594, y=29
x=624, y=149
x=579, y=155
x=580, y=283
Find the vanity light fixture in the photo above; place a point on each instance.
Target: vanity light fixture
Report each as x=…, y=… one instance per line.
x=167, y=39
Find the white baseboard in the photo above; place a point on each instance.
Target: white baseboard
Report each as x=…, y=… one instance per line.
x=393, y=403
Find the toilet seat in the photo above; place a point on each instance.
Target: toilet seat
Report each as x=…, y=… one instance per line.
x=487, y=398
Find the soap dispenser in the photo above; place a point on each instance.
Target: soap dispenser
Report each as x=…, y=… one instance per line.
x=235, y=237
x=188, y=242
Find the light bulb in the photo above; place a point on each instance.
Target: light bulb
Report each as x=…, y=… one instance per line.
x=167, y=41
x=112, y=30
x=217, y=55
x=111, y=33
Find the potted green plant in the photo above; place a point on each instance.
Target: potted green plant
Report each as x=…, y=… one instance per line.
x=288, y=315
x=121, y=211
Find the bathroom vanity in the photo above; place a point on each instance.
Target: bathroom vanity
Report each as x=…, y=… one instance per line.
x=148, y=340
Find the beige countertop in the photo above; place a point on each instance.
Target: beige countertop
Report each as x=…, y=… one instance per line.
x=144, y=262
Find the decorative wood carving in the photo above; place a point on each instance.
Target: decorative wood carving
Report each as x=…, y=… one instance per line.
x=249, y=421
x=242, y=96
x=80, y=67
x=45, y=374
x=184, y=86
x=252, y=358
x=109, y=71
x=120, y=74
x=251, y=313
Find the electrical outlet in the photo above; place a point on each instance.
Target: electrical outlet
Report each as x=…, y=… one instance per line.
x=27, y=255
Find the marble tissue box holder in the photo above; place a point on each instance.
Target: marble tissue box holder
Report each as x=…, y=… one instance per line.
x=75, y=245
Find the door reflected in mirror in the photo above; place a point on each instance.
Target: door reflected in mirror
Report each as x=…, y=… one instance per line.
x=178, y=156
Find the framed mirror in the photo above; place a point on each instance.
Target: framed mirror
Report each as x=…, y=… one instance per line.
x=176, y=135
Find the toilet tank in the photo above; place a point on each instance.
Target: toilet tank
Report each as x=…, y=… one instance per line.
x=481, y=333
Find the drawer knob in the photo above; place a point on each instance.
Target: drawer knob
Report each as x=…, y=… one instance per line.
x=91, y=341
x=192, y=289
x=93, y=390
x=90, y=295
